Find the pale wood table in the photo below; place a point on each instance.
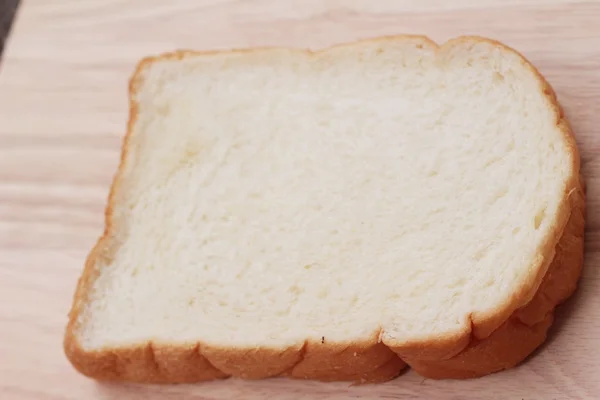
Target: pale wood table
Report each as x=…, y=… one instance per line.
x=63, y=109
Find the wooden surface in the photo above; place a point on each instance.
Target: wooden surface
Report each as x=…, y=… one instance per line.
x=63, y=109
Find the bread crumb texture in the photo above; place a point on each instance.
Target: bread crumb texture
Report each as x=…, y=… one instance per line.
x=333, y=215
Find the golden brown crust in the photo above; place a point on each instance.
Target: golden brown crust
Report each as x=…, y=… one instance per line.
x=504, y=348
x=490, y=342
x=254, y=363
x=364, y=361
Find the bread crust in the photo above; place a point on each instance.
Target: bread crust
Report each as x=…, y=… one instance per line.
x=489, y=342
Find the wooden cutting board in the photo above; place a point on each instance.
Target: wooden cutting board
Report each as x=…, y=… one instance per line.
x=63, y=109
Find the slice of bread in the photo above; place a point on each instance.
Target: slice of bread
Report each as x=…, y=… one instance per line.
x=333, y=215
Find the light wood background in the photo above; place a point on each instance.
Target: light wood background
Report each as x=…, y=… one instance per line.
x=63, y=109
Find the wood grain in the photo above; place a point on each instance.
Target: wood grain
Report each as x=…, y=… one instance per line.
x=63, y=109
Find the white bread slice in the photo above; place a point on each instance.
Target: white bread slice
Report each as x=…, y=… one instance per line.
x=333, y=215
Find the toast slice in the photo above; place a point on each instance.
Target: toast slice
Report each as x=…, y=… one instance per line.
x=333, y=215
